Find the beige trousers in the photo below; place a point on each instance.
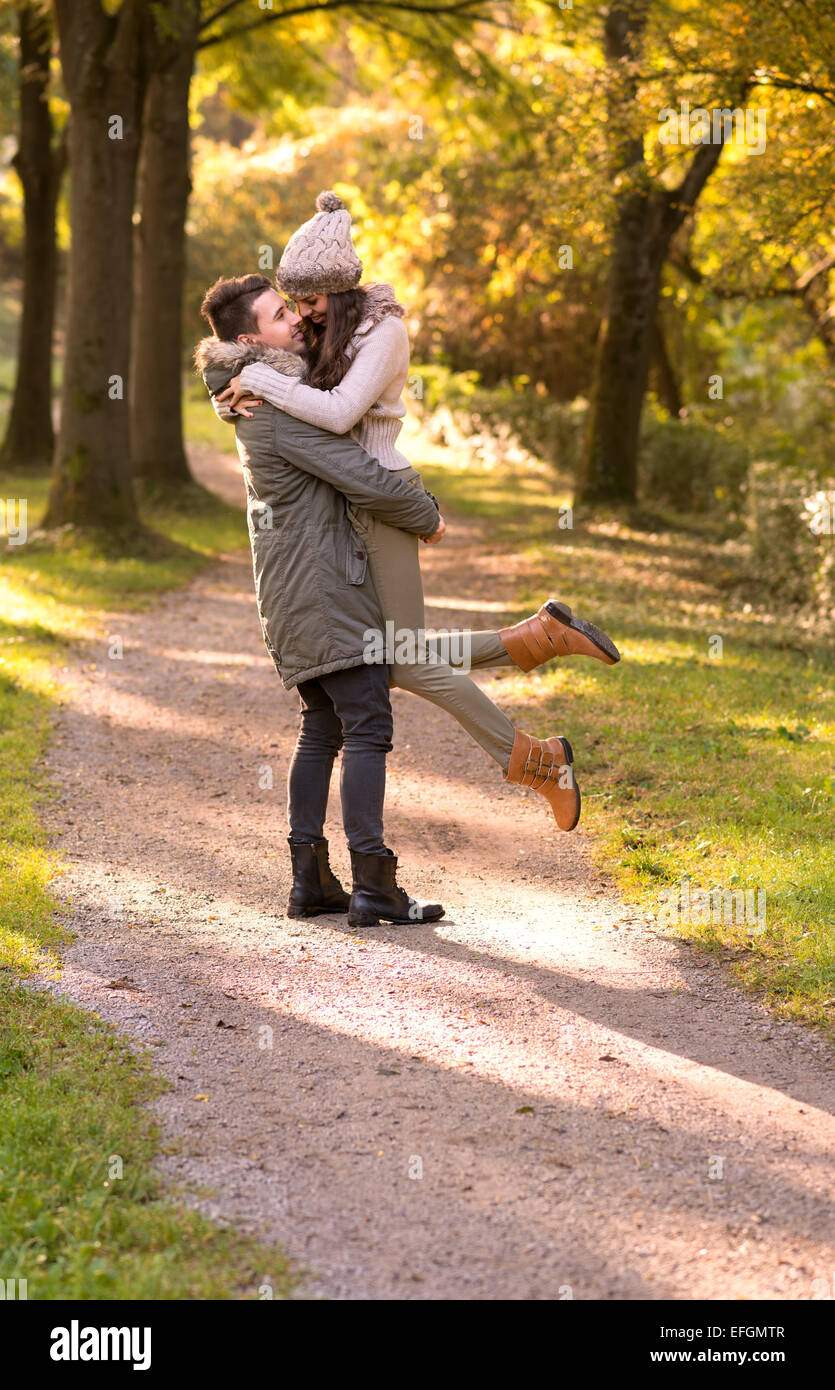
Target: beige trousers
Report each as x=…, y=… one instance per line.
x=431, y=666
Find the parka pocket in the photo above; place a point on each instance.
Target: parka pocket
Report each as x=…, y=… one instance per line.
x=358, y=519
x=356, y=560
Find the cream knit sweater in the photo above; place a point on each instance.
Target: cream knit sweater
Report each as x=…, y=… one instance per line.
x=367, y=400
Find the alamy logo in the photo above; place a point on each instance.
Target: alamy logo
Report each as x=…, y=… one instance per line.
x=75, y=1343
x=820, y=513
x=718, y=126
x=714, y=906
x=419, y=645
x=13, y=519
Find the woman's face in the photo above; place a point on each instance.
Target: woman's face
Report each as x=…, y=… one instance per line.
x=313, y=307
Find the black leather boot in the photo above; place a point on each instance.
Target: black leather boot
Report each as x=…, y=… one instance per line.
x=376, y=894
x=315, y=887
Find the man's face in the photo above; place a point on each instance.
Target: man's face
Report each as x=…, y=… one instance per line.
x=278, y=326
x=314, y=307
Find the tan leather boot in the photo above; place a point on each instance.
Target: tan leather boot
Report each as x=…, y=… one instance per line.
x=545, y=765
x=554, y=632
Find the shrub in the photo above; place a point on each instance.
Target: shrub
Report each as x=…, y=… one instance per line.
x=690, y=466
x=499, y=422
x=790, y=517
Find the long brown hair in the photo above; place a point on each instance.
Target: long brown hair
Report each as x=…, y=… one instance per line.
x=325, y=354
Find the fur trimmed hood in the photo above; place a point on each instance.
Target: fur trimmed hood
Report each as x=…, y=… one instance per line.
x=380, y=302
x=216, y=355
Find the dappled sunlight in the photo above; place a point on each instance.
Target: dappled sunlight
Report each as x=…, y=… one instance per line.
x=23, y=606
x=203, y=657
x=466, y=605
x=428, y=985
x=559, y=1038
x=130, y=709
x=549, y=1101
x=23, y=956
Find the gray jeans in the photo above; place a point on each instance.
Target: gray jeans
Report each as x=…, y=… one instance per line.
x=348, y=710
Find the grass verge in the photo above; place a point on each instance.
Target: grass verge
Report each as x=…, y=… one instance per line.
x=705, y=758
x=82, y=1214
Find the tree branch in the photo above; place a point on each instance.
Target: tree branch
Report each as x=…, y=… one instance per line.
x=208, y=20
x=824, y=264
x=790, y=84
x=465, y=8
x=797, y=289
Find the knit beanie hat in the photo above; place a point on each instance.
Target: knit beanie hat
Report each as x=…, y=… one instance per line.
x=320, y=258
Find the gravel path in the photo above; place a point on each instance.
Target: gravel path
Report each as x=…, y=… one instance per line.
x=535, y=1098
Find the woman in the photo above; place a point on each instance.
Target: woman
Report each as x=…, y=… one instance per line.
x=357, y=366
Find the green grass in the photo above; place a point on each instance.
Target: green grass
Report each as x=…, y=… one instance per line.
x=718, y=768
x=71, y=1093
x=201, y=425
x=81, y=1213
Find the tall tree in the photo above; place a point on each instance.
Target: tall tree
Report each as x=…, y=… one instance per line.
x=646, y=217
x=102, y=58
x=163, y=191
x=779, y=54
x=39, y=163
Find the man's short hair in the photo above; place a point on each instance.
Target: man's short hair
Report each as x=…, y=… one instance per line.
x=228, y=305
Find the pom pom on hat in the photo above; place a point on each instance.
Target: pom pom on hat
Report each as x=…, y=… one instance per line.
x=329, y=202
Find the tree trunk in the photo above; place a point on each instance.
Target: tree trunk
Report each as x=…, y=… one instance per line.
x=609, y=470
x=666, y=381
x=101, y=56
x=30, y=438
x=646, y=219
x=622, y=359
x=164, y=188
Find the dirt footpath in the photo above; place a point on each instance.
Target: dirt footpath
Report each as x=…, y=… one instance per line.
x=534, y=1098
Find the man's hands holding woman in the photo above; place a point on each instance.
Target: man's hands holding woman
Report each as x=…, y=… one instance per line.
x=436, y=535
x=233, y=394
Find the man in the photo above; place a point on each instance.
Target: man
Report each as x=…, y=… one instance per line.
x=317, y=603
